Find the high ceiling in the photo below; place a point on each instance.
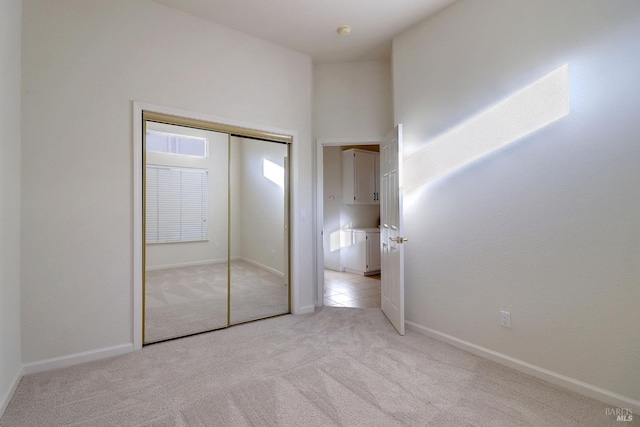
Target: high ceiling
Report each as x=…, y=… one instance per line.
x=309, y=26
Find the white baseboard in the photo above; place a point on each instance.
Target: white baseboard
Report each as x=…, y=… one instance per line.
x=186, y=264
x=360, y=272
x=6, y=398
x=569, y=383
x=305, y=310
x=263, y=267
x=215, y=261
x=75, y=359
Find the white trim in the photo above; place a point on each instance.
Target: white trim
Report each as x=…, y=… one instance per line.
x=138, y=268
x=360, y=272
x=320, y=144
x=189, y=264
x=305, y=310
x=75, y=359
x=138, y=107
x=263, y=267
x=569, y=383
x=9, y=395
x=353, y=140
x=216, y=261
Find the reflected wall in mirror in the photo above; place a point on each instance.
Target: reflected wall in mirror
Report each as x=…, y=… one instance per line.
x=259, y=265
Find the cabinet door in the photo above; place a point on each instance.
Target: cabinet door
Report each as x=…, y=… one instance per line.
x=373, y=251
x=348, y=177
x=355, y=253
x=360, y=177
x=365, y=177
x=376, y=178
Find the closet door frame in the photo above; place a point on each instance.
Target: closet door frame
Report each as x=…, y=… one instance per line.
x=143, y=112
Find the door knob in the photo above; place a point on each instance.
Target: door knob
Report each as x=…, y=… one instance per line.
x=398, y=239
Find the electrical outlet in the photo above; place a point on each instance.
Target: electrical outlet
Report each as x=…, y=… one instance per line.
x=505, y=319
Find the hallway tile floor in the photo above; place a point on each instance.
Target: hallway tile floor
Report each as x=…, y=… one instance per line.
x=351, y=290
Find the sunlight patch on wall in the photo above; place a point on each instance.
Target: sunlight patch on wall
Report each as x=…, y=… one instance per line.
x=340, y=239
x=533, y=107
x=273, y=172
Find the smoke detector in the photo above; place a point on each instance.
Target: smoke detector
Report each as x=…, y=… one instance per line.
x=344, y=30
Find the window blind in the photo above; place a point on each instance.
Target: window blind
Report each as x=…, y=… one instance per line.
x=177, y=204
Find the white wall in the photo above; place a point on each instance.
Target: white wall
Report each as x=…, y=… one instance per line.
x=10, y=358
x=546, y=228
x=352, y=99
x=84, y=62
x=359, y=216
x=261, y=211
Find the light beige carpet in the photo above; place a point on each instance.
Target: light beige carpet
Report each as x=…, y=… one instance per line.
x=336, y=367
x=188, y=300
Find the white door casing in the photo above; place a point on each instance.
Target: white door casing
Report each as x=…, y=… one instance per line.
x=321, y=143
x=391, y=237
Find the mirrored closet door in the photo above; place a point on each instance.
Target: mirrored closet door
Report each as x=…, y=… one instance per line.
x=259, y=267
x=216, y=227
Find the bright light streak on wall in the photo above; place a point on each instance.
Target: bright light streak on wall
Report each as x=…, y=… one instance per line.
x=334, y=241
x=273, y=172
x=533, y=107
x=340, y=239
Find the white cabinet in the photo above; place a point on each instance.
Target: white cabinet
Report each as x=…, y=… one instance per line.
x=360, y=177
x=361, y=251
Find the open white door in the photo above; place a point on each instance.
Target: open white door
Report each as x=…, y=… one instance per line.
x=391, y=238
